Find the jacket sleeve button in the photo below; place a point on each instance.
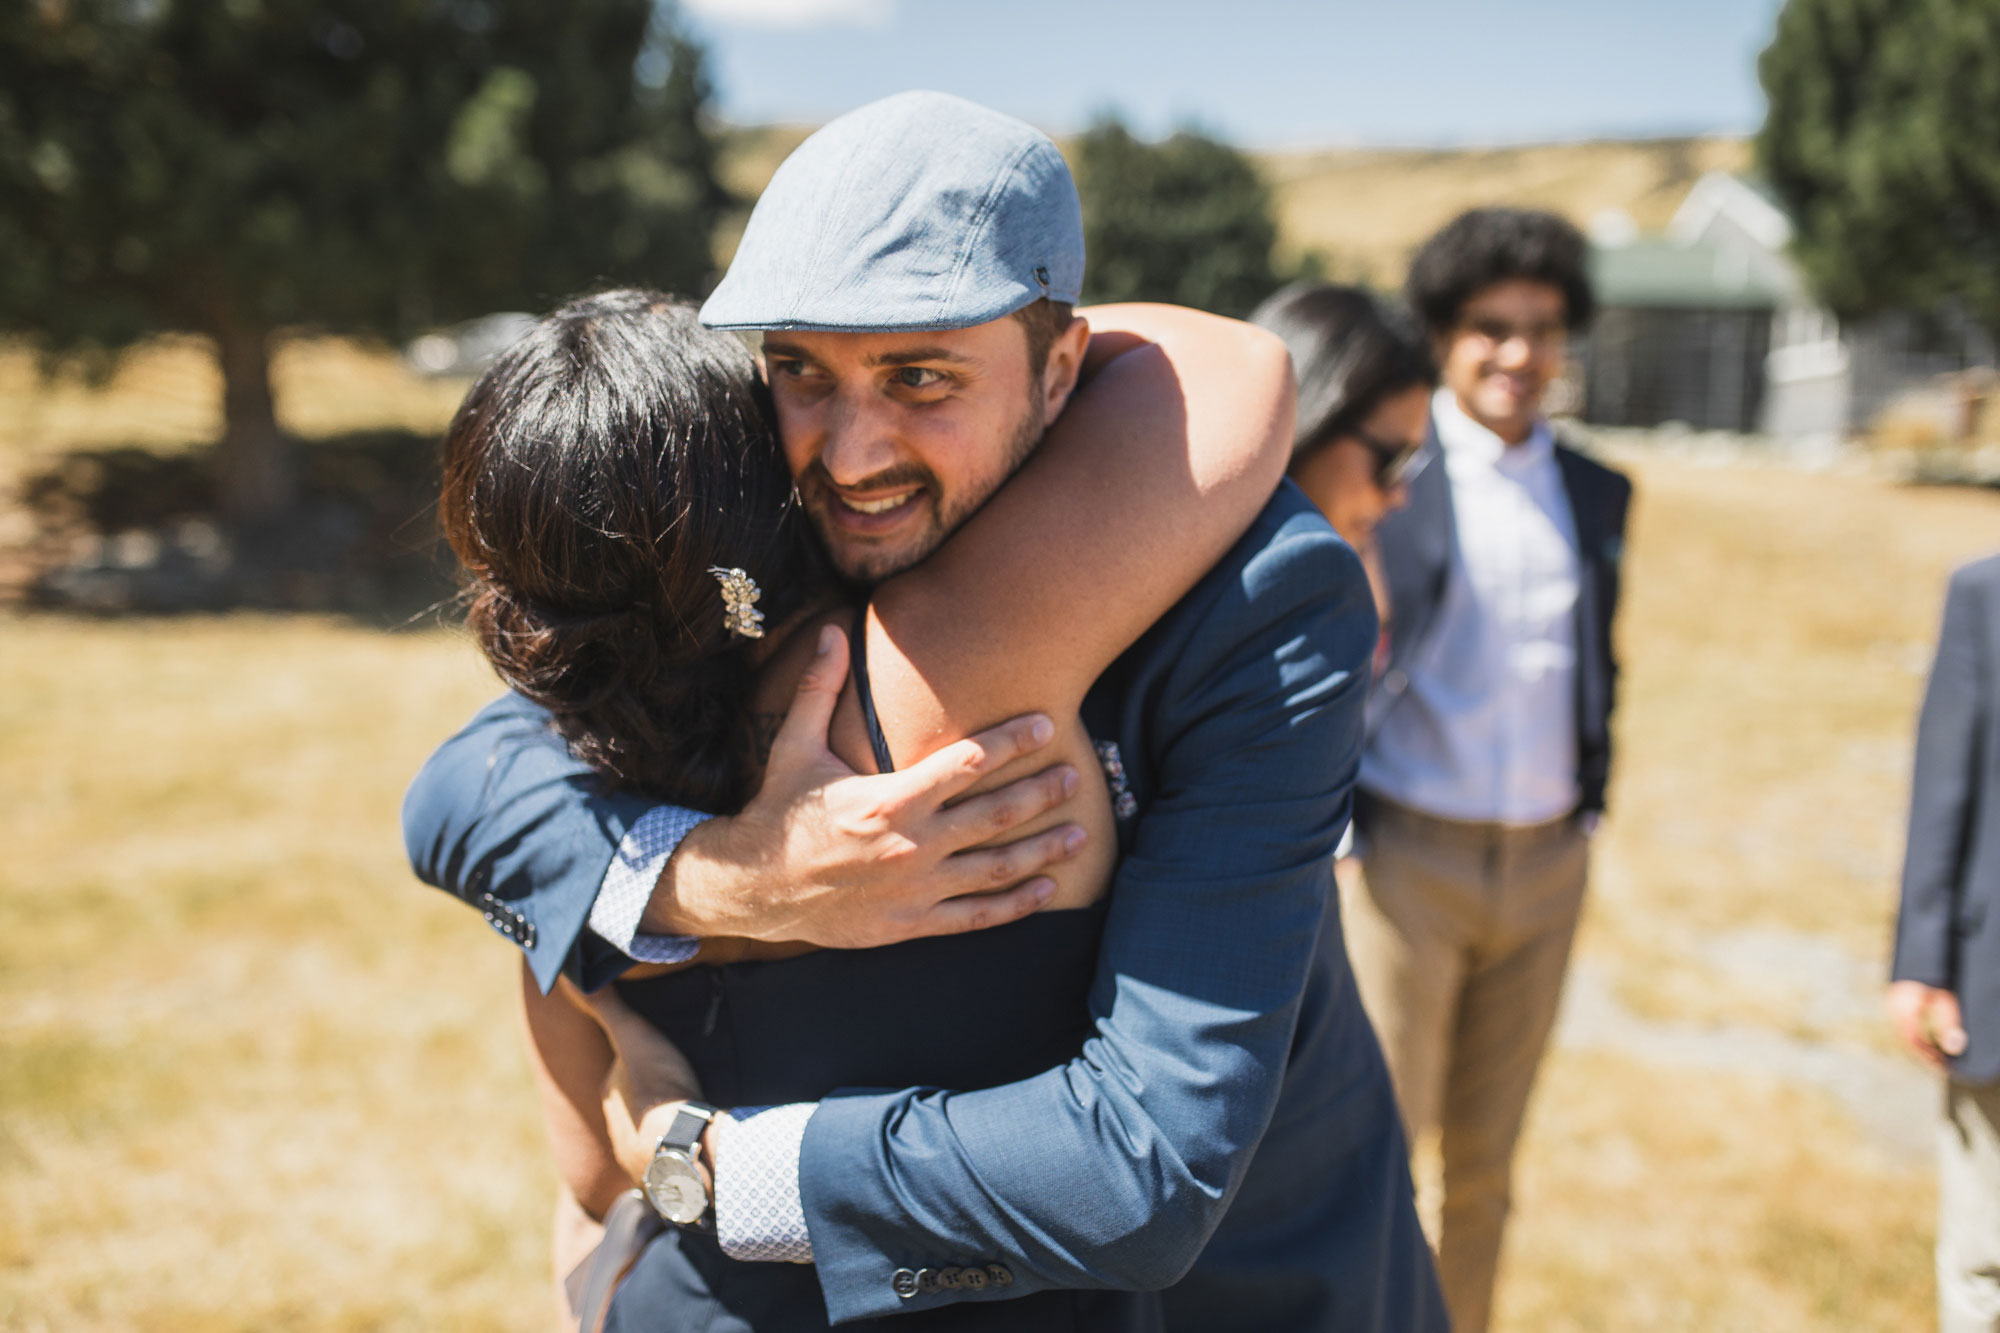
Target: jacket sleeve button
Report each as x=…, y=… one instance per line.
x=927, y=1280
x=998, y=1275
x=905, y=1283
x=948, y=1278
x=973, y=1279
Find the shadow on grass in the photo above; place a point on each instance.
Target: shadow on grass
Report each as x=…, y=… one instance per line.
x=129, y=531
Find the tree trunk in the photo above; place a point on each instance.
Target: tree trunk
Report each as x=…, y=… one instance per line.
x=255, y=481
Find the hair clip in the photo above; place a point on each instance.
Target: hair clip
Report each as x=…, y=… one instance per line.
x=740, y=592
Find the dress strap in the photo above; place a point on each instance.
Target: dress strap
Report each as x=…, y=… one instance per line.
x=858, y=656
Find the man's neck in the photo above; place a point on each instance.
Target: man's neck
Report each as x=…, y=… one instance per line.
x=1513, y=434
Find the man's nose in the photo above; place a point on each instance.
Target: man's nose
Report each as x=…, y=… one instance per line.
x=860, y=440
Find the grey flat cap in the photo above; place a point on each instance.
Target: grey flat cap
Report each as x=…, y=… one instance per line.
x=920, y=211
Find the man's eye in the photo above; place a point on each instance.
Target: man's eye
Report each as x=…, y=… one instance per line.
x=917, y=377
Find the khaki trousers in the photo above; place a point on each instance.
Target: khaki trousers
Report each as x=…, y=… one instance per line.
x=1459, y=935
x=1968, y=1242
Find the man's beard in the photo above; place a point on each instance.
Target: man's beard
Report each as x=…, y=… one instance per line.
x=869, y=566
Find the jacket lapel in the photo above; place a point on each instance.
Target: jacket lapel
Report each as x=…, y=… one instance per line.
x=1593, y=544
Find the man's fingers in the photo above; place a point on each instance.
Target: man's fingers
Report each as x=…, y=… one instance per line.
x=957, y=766
x=1928, y=1020
x=991, y=868
x=982, y=911
x=1919, y=1044
x=992, y=814
x=1947, y=1027
x=802, y=737
x=1915, y=1032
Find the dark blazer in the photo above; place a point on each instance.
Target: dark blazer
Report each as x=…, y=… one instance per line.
x=1220, y=1124
x=1415, y=544
x=1948, y=928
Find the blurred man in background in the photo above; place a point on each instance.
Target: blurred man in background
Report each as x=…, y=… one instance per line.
x=1489, y=731
x=1946, y=976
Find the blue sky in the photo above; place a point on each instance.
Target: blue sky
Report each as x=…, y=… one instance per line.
x=1266, y=73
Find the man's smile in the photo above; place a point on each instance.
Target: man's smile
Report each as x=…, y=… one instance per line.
x=871, y=513
x=881, y=506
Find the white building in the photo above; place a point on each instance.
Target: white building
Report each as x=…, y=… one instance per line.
x=1712, y=325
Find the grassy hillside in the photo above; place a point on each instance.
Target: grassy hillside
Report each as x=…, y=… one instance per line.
x=1368, y=209
x=1365, y=209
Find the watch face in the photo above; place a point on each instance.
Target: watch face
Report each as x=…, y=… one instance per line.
x=675, y=1187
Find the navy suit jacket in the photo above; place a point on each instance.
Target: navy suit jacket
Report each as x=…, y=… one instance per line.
x=1416, y=543
x=1948, y=928
x=1227, y=1131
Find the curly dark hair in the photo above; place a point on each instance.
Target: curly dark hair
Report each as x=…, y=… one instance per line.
x=1485, y=246
x=1350, y=350
x=592, y=477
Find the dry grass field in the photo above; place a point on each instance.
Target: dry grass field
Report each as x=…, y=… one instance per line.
x=252, y=1077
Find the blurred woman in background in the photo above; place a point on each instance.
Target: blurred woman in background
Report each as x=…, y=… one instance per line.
x=1365, y=377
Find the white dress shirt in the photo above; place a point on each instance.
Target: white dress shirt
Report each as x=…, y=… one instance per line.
x=1485, y=728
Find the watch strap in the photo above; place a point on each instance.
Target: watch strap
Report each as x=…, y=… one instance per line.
x=689, y=1122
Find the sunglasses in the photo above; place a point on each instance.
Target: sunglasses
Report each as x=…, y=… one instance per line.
x=1395, y=460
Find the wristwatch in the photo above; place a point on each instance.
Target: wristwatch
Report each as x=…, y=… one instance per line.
x=673, y=1183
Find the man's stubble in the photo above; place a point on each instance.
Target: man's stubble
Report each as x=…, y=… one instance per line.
x=815, y=490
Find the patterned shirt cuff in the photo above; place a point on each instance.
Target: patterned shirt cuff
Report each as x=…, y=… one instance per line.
x=628, y=886
x=759, y=1214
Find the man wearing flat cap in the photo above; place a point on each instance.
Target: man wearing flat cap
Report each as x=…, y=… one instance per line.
x=1223, y=1151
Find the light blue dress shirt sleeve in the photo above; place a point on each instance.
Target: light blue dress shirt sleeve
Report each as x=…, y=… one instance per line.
x=628, y=886
x=759, y=1214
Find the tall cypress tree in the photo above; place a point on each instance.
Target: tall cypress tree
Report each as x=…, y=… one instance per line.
x=364, y=167
x=1883, y=139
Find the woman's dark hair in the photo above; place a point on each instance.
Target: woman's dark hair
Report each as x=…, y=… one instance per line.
x=592, y=477
x=1350, y=350
x=1490, y=245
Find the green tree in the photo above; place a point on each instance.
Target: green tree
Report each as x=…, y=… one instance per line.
x=1186, y=220
x=364, y=167
x=1883, y=139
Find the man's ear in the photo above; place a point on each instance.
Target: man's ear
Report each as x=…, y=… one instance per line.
x=1065, y=363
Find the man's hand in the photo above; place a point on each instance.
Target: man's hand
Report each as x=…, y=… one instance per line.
x=832, y=858
x=1928, y=1021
